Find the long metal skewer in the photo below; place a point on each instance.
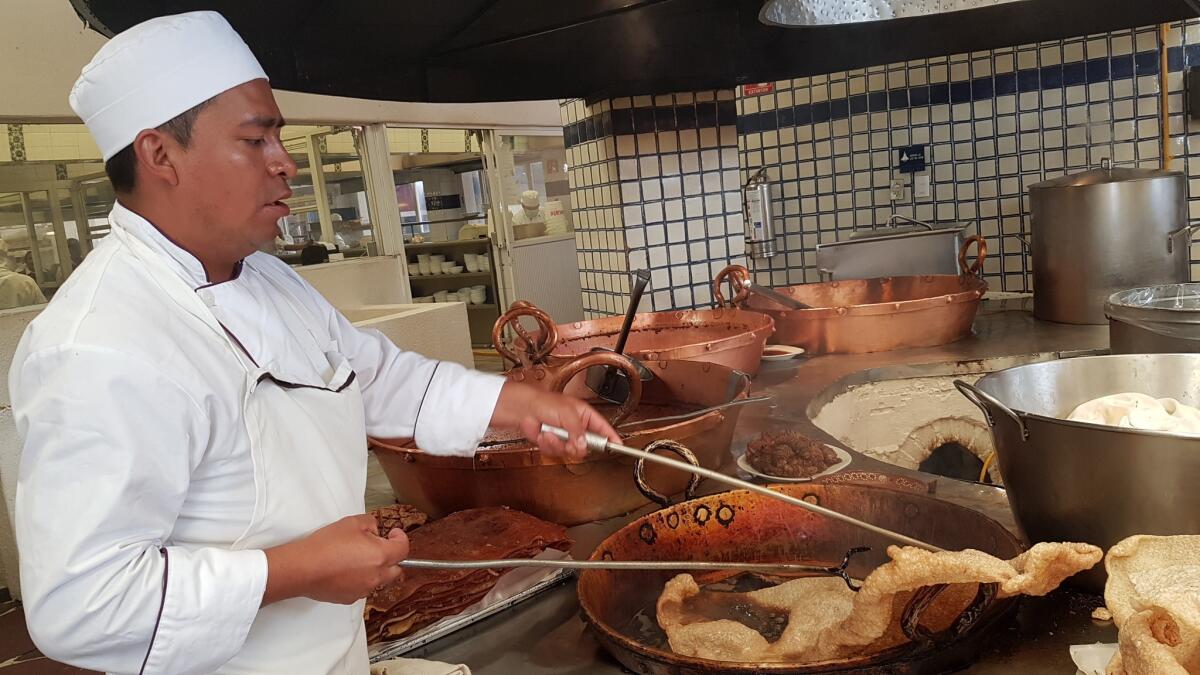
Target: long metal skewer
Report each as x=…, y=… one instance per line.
x=835, y=570
x=597, y=443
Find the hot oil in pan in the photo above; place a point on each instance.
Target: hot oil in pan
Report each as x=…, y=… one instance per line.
x=710, y=605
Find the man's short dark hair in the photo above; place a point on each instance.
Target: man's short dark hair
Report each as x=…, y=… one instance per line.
x=122, y=167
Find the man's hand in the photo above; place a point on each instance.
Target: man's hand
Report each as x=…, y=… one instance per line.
x=526, y=407
x=340, y=563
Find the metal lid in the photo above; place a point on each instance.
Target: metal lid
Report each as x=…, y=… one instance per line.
x=1103, y=176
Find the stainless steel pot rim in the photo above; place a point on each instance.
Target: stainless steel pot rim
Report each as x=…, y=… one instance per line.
x=1024, y=415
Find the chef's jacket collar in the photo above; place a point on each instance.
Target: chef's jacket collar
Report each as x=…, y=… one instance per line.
x=188, y=266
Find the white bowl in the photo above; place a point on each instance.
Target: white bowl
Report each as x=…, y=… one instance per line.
x=439, y=258
x=414, y=269
x=843, y=461
x=457, y=269
x=478, y=297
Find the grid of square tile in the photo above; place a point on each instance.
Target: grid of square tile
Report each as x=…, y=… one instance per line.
x=677, y=171
x=596, y=211
x=993, y=124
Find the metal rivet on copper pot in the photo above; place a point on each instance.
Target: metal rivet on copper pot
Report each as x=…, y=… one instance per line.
x=911, y=510
x=812, y=499
x=841, y=311
x=483, y=458
x=409, y=457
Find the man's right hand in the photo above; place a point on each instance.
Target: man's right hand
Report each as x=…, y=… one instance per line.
x=340, y=563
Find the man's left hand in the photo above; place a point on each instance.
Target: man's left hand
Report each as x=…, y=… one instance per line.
x=526, y=407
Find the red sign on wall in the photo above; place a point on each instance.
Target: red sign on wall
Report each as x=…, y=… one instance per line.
x=758, y=89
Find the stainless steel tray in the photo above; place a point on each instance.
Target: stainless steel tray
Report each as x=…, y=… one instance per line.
x=400, y=647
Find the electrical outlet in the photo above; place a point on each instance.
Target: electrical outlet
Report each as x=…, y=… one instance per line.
x=898, y=189
x=921, y=186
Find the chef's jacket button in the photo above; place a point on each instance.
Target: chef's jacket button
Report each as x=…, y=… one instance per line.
x=207, y=297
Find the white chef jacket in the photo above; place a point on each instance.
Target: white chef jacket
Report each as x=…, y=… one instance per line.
x=130, y=402
x=18, y=290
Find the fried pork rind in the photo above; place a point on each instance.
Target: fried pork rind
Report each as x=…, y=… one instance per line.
x=1153, y=591
x=826, y=620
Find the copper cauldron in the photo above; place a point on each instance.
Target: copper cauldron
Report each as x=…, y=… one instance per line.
x=726, y=336
x=856, y=316
x=511, y=472
x=619, y=606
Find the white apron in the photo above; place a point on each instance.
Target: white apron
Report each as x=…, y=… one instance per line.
x=310, y=469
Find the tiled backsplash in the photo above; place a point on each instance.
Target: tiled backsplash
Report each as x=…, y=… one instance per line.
x=655, y=184
x=993, y=124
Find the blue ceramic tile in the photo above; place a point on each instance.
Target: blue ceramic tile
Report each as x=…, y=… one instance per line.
x=664, y=118
x=1006, y=83
x=1097, y=70
x=1028, y=79
x=606, y=125
x=1074, y=74
x=685, y=116
x=960, y=92
x=839, y=109
x=877, y=101
x=726, y=112
x=1174, y=59
x=1052, y=77
x=918, y=95
x=768, y=120
x=1146, y=63
x=643, y=120
x=820, y=112
x=858, y=104
x=804, y=114
x=570, y=136
x=706, y=114
x=1191, y=55
x=897, y=99
x=982, y=88
x=939, y=93
x=1121, y=67
x=787, y=117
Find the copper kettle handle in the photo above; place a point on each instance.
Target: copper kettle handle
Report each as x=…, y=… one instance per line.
x=738, y=275
x=535, y=349
x=975, y=269
x=639, y=472
x=605, y=358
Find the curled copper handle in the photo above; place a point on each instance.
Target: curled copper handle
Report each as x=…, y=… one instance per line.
x=910, y=618
x=639, y=472
x=737, y=275
x=613, y=359
x=537, y=348
x=977, y=268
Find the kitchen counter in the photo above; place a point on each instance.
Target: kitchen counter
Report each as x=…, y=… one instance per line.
x=546, y=634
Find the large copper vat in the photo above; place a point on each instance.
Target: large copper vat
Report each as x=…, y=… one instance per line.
x=855, y=316
x=619, y=605
x=515, y=474
x=726, y=336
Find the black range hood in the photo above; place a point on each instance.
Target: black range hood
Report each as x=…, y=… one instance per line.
x=504, y=50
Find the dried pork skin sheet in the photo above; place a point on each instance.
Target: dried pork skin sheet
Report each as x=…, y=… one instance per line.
x=403, y=516
x=423, y=596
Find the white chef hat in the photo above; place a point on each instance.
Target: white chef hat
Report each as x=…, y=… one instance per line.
x=156, y=70
x=529, y=199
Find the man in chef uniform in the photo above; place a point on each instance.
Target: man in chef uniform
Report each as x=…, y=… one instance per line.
x=194, y=414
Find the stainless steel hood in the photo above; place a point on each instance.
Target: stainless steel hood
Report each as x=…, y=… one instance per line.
x=492, y=50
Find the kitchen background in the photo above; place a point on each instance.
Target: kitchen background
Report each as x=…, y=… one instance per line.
x=992, y=123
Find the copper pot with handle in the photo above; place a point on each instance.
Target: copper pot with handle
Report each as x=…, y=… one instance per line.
x=725, y=336
x=857, y=316
x=744, y=526
x=509, y=471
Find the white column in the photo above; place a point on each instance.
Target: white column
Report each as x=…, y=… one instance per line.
x=375, y=157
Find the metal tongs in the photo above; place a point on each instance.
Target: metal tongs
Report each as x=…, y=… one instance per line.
x=641, y=565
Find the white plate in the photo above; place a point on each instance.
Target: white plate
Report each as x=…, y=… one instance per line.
x=843, y=461
x=783, y=352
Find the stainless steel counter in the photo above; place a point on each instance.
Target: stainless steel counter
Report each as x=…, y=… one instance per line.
x=546, y=635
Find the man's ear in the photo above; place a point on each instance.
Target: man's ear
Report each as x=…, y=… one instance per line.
x=155, y=153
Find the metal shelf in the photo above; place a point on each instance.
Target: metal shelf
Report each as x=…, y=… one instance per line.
x=461, y=275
